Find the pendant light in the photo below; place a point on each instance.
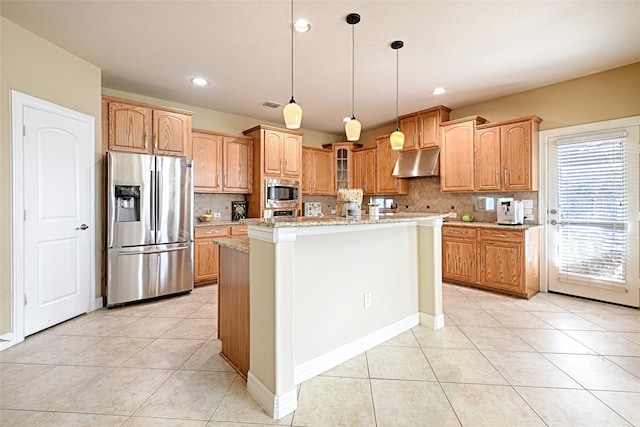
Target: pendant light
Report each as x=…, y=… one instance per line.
x=292, y=112
x=397, y=137
x=352, y=128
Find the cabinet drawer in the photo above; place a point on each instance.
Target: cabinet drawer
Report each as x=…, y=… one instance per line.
x=213, y=231
x=502, y=235
x=239, y=230
x=467, y=232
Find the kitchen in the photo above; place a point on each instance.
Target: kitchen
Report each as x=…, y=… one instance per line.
x=550, y=103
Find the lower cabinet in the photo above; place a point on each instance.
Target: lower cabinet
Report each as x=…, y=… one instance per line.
x=493, y=258
x=206, y=254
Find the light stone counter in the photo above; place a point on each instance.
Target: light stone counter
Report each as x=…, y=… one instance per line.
x=238, y=243
x=449, y=223
x=308, y=221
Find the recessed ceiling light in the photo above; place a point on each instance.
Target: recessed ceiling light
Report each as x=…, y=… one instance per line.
x=199, y=81
x=438, y=91
x=301, y=25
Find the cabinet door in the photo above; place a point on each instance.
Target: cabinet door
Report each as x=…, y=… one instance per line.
x=409, y=126
x=237, y=165
x=386, y=183
x=516, y=156
x=207, y=259
x=456, y=157
x=292, y=148
x=459, y=259
x=207, y=157
x=487, y=159
x=344, y=168
x=171, y=133
x=501, y=265
x=369, y=172
x=273, y=142
x=129, y=128
x=323, y=170
x=429, y=129
x=306, y=186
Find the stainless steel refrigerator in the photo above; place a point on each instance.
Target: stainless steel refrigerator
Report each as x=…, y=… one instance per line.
x=149, y=226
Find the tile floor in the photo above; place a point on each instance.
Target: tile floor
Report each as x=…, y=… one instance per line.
x=500, y=361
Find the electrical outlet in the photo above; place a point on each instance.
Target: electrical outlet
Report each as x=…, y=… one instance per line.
x=216, y=214
x=367, y=299
x=453, y=215
x=333, y=211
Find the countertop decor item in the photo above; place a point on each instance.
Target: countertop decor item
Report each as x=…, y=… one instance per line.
x=467, y=217
x=206, y=217
x=238, y=210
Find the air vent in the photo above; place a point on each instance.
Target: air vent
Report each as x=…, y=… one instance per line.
x=271, y=104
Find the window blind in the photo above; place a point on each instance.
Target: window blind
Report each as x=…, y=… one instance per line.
x=593, y=209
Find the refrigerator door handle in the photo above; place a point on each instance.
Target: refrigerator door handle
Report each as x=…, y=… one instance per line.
x=153, y=201
x=160, y=251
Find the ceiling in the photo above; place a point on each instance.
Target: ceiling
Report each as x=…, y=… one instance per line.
x=476, y=50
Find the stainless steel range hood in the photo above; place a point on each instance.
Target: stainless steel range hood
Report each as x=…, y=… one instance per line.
x=415, y=164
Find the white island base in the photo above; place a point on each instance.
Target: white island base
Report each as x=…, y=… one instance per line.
x=308, y=280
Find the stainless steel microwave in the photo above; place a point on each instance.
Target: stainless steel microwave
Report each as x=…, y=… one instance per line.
x=281, y=193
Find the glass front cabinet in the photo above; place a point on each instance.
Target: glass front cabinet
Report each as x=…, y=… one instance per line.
x=343, y=163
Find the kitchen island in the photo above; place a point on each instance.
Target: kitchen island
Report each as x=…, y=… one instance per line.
x=323, y=290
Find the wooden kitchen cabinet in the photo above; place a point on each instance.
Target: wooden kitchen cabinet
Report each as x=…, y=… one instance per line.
x=206, y=254
x=459, y=251
x=343, y=164
x=506, y=155
x=277, y=153
x=143, y=128
x=495, y=258
x=422, y=128
x=386, y=159
x=317, y=171
x=222, y=163
x=364, y=169
x=457, y=154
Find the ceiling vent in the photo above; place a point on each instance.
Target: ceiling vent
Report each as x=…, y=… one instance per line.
x=271, y=104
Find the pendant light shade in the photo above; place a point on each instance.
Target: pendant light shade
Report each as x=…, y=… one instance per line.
x=292, y=112
x=292, y=115
x=353, y=127
x=397, y=137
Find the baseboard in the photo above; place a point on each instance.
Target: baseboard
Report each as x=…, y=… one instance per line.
x=320, y=364
x=6, y=341
x=433, y=322
x=276, y=406
x=97, y=304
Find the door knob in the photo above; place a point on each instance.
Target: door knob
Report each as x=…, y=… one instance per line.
x=553, y=222
x=82, y=227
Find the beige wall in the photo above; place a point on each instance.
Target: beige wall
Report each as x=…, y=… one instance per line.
x=32, y=65
x=224, y=122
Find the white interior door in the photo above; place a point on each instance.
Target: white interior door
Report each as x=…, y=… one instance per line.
x=592, y=215
x=58, y=218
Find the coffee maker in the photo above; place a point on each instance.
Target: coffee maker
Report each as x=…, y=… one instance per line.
x=510, y=212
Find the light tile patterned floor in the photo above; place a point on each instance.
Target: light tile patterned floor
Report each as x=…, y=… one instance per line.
x=499, y=361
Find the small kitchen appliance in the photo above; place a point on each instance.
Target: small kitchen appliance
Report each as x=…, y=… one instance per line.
x=510, y=212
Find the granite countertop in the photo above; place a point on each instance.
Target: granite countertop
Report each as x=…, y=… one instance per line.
x=238, y=243
x=308, y=221
x=489, y=225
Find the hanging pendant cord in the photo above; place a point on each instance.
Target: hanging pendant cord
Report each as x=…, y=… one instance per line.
x=353, y=73
x=397, y=78
x=292, y=51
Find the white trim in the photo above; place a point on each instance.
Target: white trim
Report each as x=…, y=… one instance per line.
x=6, y=340
x=545, y=137
x=277, y=406
x=320, y=364
x=19, y=101
x=432, y=322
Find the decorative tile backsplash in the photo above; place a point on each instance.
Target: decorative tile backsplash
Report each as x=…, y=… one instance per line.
x=218, y=203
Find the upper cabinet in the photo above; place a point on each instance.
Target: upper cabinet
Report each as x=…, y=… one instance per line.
x=422, y=128
x=386, y=159
x=142, y=128
x=222, y=163
x=343, y=167
x=317, y=171
x=506, y=155
x=282, y=153
x=364, y=169
x=456, y=154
